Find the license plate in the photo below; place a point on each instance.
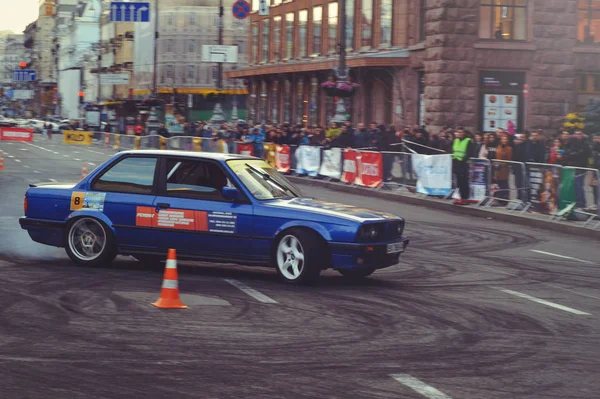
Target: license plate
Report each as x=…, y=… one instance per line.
x=395, y=248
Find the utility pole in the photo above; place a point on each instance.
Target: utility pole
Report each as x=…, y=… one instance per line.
x=342, y=71
x=218, y=117
x=156, y=35
x=99, y=60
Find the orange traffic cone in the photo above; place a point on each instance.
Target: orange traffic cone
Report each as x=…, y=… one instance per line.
x=84, y=170
x=1, y=161
x=169, y=294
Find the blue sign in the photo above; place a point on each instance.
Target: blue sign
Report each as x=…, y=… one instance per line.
x=10, y=93
x=24, y=75
x=129, y=12
x=241, y=9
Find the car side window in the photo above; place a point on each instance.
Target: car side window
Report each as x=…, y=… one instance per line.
x=196, y=179
x=132, y=175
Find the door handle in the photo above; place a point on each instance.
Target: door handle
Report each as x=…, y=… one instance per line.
x=162, y=205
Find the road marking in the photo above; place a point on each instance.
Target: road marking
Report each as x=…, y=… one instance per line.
x=561, y=256
x=95, y=152
x=54, y=180
x=91, y=164
x=17, y=160
x=77, y=159
x=25, y=166
x=11, y=156
x=24, y=149
x=544, y=302
x=36, y=171
x=250, y=291
x=419, y=386
x=37, y=146
x=56, y=153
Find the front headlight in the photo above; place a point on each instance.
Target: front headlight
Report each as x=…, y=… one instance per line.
x=400, y=227
x=368, y=232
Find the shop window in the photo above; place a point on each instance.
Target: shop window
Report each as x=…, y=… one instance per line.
x=289, y=35
x=314, y=97
x=265, y=40
x=317, y=22
x=303, y=31
x=255, y=42
x=349, y=25
x=367, y=23
x=276, y=38
x=588, y=26
x=300, y=102
x=503, y=19
x=387, y=10
x=287, y=105
x=274, y=101
x=332, y=18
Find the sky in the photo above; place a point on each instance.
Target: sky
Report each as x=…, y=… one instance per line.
x=16, y=17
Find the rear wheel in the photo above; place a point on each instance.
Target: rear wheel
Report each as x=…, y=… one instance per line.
x=89, y=242
x=299, y=257
x=356, y=273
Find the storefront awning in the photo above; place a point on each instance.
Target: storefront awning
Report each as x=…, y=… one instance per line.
x=391, y=58
x=201, y=91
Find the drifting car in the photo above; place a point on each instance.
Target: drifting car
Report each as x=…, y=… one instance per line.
x=212, y=207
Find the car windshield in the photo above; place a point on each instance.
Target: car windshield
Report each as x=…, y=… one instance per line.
x=262, y=180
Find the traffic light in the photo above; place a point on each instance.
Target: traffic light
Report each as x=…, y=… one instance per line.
x=81, y=94
x=23, y=64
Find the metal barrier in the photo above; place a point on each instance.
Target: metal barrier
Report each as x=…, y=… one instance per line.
x=509, y=184
x=127, y=142
x=151, y=142
x=544, y=181
x=587, y=192
x=398, y=170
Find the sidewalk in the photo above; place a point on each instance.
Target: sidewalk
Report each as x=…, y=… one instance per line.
x=528, y=219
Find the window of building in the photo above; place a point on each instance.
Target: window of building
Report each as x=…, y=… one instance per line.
x=349, y=25
x=254, y=42
x=191, y=71
x=191, y=45
x=289, y=35
x=332, y=18
x=169, y=46
x=317, y=22
x=588, y=27
x=193, y=19
x=287, y=104
x=276, y=2
x=265, y=40
x=255, y=5
x=422, y=20
x=387, y=10
x=503, y=19
x=215, y=74
x=133, y=175
x=277, y=38
x=169, y=71
x=303, y=33
x=367, y=23
x=170, y=19
x=300, y=102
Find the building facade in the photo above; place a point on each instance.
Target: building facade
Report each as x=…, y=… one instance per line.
x=475, y=63
x=12, y=52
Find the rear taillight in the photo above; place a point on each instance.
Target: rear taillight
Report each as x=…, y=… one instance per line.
x=25, y=205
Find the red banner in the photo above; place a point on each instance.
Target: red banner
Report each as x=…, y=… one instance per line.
x=282, y=158
x=16, y=134
x=246, y=149
x=370, y=169
x=350, y=166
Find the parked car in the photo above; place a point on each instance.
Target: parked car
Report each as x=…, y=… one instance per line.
x=212, y=207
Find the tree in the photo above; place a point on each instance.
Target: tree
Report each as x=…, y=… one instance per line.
x=592, y=117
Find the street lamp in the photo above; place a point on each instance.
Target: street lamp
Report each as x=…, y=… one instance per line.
x=218, y=118
x=99, y=57
x=341, y=71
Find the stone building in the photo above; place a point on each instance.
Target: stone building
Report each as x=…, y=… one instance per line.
x=475, y=63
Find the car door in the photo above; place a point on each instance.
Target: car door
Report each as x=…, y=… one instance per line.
x=193, y=216
x=128, y=189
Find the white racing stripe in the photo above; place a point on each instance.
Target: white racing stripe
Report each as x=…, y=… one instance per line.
x=419, y=386
x=250, y=291
x=561, y=256
x=544, y=302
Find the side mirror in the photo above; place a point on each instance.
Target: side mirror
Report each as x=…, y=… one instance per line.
x=230, y=193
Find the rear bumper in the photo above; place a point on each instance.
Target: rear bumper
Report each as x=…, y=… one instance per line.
x=363, y=255
x=48, y=232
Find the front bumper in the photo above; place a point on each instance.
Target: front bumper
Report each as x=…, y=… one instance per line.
x=365, y=255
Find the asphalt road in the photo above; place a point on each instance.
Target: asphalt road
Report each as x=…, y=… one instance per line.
x=477, y=309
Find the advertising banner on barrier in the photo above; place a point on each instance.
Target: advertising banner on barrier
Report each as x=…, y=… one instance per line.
x=16, y=134
x=269, y=150
x=282, y=158
x=544, y=185
x=478, y=177
x=434, y=174
x=370, y=169
x=308, y=160
x=331, y=166
x=350, y=166
x=222, y=147
x=77, y=137
x=246, y=149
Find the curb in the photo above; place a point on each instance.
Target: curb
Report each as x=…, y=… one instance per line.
x=525, y=220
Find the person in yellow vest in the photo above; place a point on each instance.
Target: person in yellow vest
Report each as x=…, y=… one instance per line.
x=462, y=149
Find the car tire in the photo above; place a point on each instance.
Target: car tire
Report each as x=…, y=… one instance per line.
x=298, y=257
x=357, y=274
x=89, y=242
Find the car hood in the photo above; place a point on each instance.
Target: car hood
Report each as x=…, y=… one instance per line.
x=333, y=209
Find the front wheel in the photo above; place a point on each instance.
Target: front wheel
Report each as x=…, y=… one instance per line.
x=90, y=243
x=356, y=273
x=299, y=257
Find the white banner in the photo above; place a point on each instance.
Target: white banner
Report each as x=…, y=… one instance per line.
x=434, y=173
x=114, y=79
x=308, y=160
x=332, y=163
x=22, y=94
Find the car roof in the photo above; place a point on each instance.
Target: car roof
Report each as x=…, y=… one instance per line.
x=217, y=156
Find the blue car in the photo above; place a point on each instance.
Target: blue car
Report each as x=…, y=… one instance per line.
x=211, y=207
